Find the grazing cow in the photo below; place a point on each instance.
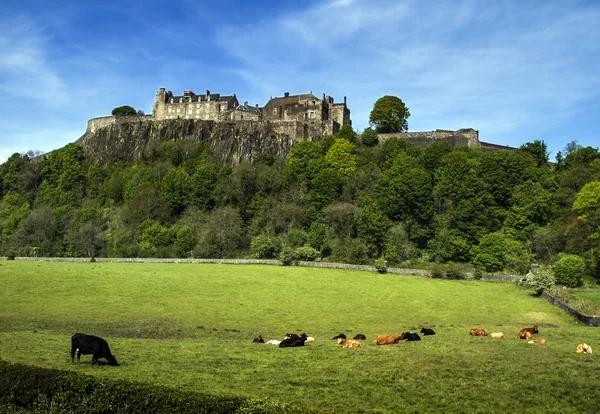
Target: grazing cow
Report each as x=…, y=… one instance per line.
x=348, y=343
x=293, y=342
x=360, y=336
x=412, y=336
x=386, y=339
x=427, y=331
x=478, y=332
x=339, y=336
x=90, y=344
x=584, y=348
x=523, y=332
x=273, y=342
x=259, y=339
x=540, y=341
x=497, y=335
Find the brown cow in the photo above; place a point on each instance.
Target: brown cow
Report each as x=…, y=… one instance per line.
x=348, y=343
x=360, y=336
x=523, y=333
x=386, y=339
x=478, y=332
x=259, y=339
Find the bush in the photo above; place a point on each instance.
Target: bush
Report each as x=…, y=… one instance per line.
x=541, y=279
x=307, y=253
x=286, y=256
x=262, y=247
x=569, y=270
x=10, y=256
x=381, y=265
x=437, y=271
x=124, y=110
x=455, y=271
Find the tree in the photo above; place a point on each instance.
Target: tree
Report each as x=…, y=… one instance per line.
x=569, y=270
x=341, y=157
x=389, y=114
x=538, y=150
x=124, y=110
x=369, y=137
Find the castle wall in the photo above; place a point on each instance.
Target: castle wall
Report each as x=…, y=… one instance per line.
x=95, y=124
x=461, y=137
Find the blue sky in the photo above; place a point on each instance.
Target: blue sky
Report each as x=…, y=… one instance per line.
x=516, y=71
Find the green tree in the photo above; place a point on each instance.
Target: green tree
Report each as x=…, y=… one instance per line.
x=177, y=188
x=372, y=227
x=497, y=251
x=262, y=247
x=369, y=137
x=569, y=270
x=389, y=114
x=341, y=157
x=346, y=132
x=538, y=150
x=124, y=110
x=587, y=205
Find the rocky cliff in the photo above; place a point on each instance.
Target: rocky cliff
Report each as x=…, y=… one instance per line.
x=231, y=142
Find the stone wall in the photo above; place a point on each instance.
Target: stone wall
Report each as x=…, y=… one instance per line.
x=95, y=124
x=593, y=320
x=461, y=137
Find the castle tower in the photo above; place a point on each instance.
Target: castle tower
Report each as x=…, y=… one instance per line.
x=158, y=109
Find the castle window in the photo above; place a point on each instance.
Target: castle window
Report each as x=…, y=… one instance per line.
x=274, y=111
x=312, y=115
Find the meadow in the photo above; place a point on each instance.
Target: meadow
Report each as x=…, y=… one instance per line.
x=190, y=326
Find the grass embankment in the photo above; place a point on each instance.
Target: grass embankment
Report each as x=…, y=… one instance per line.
x=191, y=326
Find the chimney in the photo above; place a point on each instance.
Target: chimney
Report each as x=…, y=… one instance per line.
x=344, y=100
x=207, y=95
x=286, y=94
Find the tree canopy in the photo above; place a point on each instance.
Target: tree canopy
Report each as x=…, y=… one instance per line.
x=124, y=110
x=389, y=114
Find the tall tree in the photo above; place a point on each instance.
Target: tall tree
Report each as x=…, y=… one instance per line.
x=389, y=114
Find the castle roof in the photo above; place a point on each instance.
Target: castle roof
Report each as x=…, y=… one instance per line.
x=203, y=98
x=247, y=108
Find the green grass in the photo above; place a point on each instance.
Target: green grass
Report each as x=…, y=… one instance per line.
x=190, y=326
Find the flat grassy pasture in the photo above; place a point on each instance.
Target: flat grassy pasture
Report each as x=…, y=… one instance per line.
x=190, y=326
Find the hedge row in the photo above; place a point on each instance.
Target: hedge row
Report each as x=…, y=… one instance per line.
x=25, y=388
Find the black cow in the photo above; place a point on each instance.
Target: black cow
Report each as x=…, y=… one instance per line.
x=360, y=336
x=291, y=342
x=90, y=344
x=412, y=336
x=343, y=336
x=427, y=331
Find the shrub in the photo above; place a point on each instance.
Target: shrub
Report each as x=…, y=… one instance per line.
x=437, y=271
x=286, y=256
x=455, y=271
x=10, y=256
x=381, y=265
x=541, y=279
x=262, y=247
x=307, y=253
x=569, y=270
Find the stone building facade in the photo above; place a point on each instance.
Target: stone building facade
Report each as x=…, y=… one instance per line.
x=322, y=115
x=206, y=107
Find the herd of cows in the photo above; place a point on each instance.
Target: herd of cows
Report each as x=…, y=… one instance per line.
x=98, y=347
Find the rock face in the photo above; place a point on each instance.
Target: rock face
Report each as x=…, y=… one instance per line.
x=231, y=142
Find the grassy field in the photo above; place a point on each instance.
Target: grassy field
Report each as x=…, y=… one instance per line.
x=190, y=326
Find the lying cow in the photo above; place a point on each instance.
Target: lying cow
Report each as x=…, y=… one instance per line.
x=360, y=336
x=497, y=335
x=478, y=332
x=343, y=336
x=427, y=331
x=523, y=333
x=293, y=342
x=584, y=348
x=259, y=339
x=273, y=342
x=291, y=336
x=412, y=336
x=386, y=339
x=90, y=344
x=540, y=341
x=348, y=343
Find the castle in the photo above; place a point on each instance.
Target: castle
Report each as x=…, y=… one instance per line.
x=320, y=116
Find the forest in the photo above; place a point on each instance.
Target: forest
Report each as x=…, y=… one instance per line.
x=343, y=198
